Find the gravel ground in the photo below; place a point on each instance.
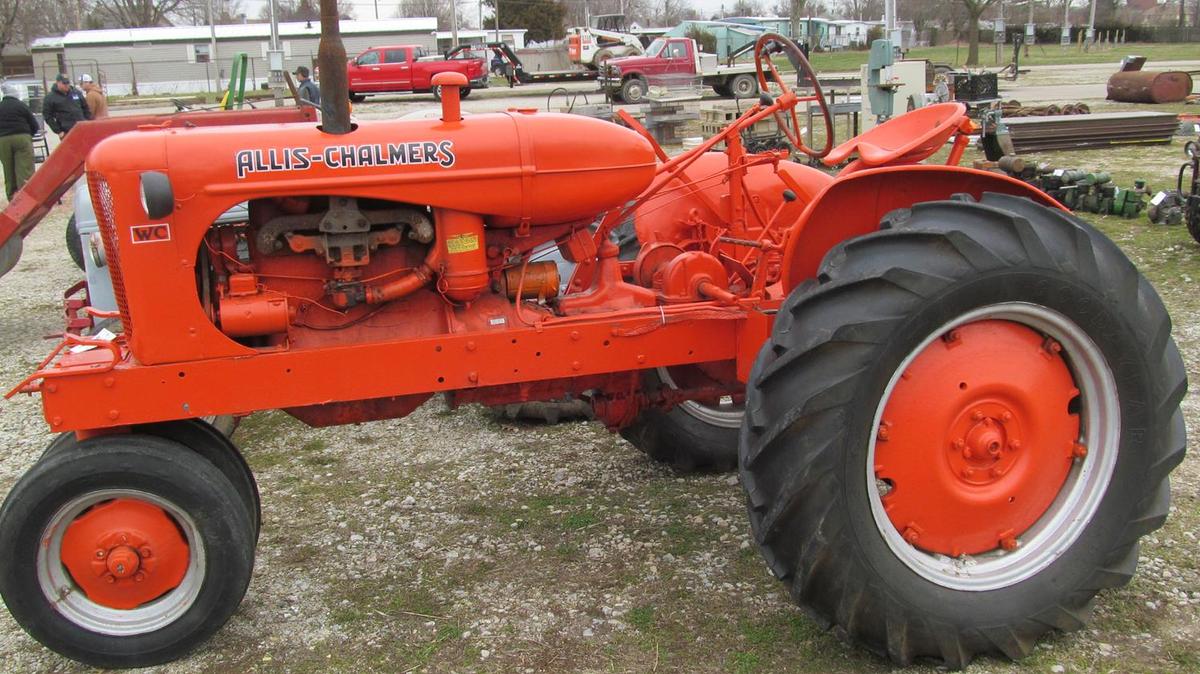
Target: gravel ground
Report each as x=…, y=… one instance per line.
x=451, y=541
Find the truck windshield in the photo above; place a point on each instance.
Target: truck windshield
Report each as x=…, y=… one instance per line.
x=656, y=47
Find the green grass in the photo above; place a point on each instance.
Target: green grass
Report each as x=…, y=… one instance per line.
x=1039, y=55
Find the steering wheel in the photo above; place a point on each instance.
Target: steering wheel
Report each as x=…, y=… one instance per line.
x=772, y=43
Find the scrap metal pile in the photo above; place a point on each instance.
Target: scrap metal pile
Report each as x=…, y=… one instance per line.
x=1078, y=132
x=1093, y=192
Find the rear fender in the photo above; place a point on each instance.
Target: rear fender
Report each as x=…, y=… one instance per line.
x=853, y=205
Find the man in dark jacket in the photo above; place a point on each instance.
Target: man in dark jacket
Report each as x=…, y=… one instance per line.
x=64, y=106
x=308, y=90
x=17, y=128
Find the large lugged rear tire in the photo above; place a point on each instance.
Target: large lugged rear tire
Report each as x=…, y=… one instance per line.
x=124, y=551
x=958, y=432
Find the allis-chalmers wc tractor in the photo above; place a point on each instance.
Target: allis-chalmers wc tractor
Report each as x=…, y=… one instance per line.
x=953, y=406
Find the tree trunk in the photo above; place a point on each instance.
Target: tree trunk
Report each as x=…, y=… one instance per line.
x=973, y=40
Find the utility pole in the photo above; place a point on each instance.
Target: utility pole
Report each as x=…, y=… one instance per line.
x=376, y=10
x=453, y=23
x=1091, y=31
x=497, y=17
x=212, y=47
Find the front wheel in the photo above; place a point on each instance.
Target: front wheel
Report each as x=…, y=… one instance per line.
x=124, y=551
x=693, y=436
x=357, y=98
x=633, y=90
x=74, y=243
x=956, y=436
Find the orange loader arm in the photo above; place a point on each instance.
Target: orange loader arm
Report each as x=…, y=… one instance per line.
x=65, y=164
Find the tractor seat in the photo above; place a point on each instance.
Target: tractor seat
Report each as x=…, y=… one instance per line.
x=913, y=136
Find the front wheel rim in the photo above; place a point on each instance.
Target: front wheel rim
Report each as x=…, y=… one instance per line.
x=71, y=600
x=1017, y=555
x=727, y=413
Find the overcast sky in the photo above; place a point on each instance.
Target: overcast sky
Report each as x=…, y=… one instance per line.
x=365, y=9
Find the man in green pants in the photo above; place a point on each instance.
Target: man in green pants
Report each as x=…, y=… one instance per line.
x=17, y=127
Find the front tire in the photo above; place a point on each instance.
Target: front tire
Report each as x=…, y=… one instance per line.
x=884, y=484
x=694, y=436
x=633, y=90
x=124, y=551
x=74, y=243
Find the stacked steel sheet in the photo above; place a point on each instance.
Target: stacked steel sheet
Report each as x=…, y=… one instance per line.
x=1078, y=132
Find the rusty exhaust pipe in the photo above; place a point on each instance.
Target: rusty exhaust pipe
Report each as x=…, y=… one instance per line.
x=331, y=57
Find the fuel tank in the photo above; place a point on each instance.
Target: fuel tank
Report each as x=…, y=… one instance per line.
x=513, y=168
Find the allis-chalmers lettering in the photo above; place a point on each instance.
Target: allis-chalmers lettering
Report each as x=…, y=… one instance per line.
x=372, y=155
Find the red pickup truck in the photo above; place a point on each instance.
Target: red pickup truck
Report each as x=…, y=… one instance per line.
x=671, y=61
x=404, y=68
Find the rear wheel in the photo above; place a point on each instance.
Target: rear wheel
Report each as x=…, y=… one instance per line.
x=694, y=436
x=357, y=98
x=957, y=435
x=124, y=551
x=743, y=86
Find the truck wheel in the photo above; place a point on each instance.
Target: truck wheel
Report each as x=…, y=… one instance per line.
x=633, y=90
x=124, y=551
x=74, y=244
x=357, y=98
x=464, y=93
x=206, y=440
x=956, y=435
x=743, y=86
x=722, y=90
x=693, y=436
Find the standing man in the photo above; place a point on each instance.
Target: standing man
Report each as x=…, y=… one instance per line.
x=97, y=102
x=17, y=128
x=64, y=106
x=307, y=89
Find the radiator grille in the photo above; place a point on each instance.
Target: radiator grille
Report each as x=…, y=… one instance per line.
x=102, y=205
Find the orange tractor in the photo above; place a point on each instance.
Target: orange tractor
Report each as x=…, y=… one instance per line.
x=953, y=405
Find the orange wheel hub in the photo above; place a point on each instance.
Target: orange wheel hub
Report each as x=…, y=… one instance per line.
x=977, y=438
x=125, y=552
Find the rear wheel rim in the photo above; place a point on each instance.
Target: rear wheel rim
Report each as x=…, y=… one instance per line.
x=71, y=600
x=1027, y=552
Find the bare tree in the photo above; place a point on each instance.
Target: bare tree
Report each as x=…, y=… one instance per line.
x=137, y=13
x=435, y=8
x=862, y=10
x=975, y=10
x=746, y=8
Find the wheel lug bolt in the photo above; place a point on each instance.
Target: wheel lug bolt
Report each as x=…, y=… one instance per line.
x=145, y=553
x=960, y=443
x=1009, y=543
x=968, y=473
x=139, y=577
x=1014, y=444
x=109, y=579
x=101, y=553
x=1079, y=450
x=977, y=415
x=968, y=454
x=1007, y=416
x=911, y=536
x=995, y=472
